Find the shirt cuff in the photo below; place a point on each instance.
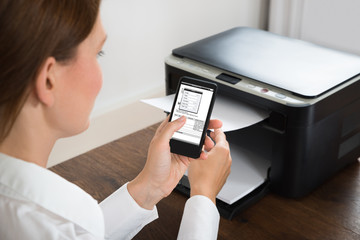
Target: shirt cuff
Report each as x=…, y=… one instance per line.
x=200, y=219
x=124, y=218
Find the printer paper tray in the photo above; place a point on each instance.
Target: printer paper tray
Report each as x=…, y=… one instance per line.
x=228, y=211
x=248, y=180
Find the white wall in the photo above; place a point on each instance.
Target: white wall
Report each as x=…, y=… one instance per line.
x=332, y=23
x=141, y=33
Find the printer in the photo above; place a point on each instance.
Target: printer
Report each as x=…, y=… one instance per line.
x=312, y=94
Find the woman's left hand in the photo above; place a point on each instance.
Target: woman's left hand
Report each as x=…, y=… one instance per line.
x=163, y=169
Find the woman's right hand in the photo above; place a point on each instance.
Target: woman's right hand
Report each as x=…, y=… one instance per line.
x=208, y=176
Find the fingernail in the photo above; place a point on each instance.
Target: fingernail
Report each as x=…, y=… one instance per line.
x=182, y=118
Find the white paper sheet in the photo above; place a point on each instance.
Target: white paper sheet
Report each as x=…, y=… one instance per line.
x=248, y=169
x=233, y=114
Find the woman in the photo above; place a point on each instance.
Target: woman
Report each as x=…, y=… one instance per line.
x=49, y=79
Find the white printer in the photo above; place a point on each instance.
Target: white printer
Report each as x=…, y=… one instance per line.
x=311, y=92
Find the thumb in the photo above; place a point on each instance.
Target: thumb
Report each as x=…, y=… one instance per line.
x=172, y=127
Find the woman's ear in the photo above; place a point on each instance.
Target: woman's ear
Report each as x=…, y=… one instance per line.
x=45, y=82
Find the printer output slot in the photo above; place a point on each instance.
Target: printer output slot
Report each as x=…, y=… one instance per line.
x=254, y=139
x=276, y=123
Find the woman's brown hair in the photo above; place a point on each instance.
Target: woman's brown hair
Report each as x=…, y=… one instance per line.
x=30, y=32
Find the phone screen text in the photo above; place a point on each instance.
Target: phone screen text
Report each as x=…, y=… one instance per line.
x=193, y=101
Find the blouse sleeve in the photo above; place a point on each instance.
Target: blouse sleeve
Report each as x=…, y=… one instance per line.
x=124, y=218
x=200, y=219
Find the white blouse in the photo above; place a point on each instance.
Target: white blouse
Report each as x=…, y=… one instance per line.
x=36, y=203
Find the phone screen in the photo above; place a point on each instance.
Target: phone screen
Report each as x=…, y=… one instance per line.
x=192, y=101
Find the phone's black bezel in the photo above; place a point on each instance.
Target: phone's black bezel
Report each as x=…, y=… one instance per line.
x=184, y=148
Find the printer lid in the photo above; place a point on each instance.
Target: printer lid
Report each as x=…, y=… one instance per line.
x=297, y=66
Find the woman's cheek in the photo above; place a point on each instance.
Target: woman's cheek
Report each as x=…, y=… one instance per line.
x=98, y=81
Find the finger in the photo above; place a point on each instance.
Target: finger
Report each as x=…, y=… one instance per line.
x=162, y=125
x=215, y=123
x=218, y=133
x=208, y=144
x=183, y=159
x=203, y=155
x=171, y=127
x=218, y=136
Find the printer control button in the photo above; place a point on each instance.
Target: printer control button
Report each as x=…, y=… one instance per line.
x=264, y=90
x=228, y=78
x=250, y=86
x=281, y=96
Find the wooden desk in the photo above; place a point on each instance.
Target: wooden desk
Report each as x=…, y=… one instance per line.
x=331, y=212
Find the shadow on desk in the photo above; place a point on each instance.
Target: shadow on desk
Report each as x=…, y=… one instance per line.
x=332, y=211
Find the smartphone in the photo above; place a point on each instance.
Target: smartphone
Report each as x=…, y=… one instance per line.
x=194, y=99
